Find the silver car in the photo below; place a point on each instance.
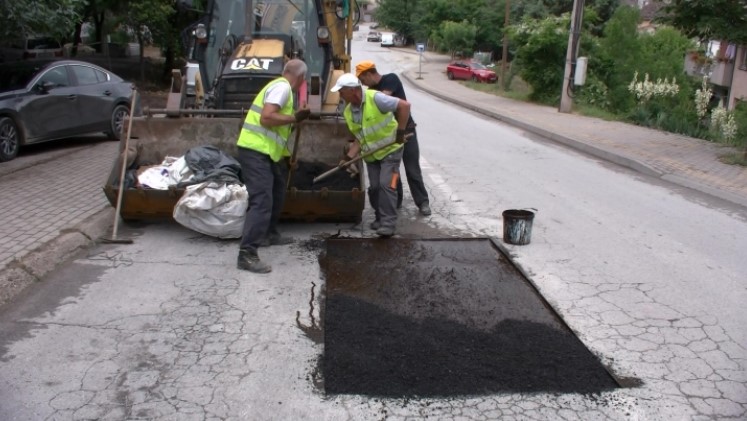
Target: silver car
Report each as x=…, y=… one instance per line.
x=44, y=100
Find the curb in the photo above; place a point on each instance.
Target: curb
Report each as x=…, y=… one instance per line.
x=23, y=272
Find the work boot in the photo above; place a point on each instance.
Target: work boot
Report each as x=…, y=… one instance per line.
x=275, y=240
x=425, y=209
x=385, y=232
x=375, y=225
x=250, y=261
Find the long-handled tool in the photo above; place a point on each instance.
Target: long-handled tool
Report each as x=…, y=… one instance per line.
x=114, y=239
x=294, y=155
x=342, y=165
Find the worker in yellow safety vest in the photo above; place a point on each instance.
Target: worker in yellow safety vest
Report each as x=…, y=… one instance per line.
x=378, y=122
x=262, y=144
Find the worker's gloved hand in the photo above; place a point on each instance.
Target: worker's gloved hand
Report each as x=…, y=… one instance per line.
x=352, y=169
x=302, y=114
x=400, y=136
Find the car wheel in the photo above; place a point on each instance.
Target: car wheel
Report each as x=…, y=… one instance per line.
x=450, y=75
x=10, y=139
x=119, y=115
x=474, y=79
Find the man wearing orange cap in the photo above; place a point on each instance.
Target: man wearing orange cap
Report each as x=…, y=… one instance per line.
x=391, y=85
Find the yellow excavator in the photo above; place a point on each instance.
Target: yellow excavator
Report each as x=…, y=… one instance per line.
x=239, y=46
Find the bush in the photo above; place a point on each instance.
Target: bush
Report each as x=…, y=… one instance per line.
x=541, y=55
x=618, y=58
x=676, y=114
x=740, y=115
x=594, y=93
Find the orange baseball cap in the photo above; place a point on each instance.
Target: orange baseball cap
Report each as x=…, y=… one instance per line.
x=363, y=66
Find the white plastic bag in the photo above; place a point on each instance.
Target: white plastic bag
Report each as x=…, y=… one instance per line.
x=179, y=171
x=172, y=171
x=213, y=208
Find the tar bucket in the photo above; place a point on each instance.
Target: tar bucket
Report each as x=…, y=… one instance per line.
x=517, y=226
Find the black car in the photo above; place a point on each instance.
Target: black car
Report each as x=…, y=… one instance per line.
x=44, y=100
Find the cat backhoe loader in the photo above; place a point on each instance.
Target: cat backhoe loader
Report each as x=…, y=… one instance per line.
x=239, y=46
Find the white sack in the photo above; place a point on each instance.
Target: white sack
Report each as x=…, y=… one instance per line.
x=213, y=208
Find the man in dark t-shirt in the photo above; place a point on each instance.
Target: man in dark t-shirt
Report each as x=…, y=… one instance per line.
x=391, y=85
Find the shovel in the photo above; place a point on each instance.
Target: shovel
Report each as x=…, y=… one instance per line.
x=342, y=165
x=294, y=155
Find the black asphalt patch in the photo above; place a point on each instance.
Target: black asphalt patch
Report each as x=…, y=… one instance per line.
x=440, y=318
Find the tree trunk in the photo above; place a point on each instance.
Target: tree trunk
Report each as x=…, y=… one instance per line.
x=76, y=39
x=98, y=20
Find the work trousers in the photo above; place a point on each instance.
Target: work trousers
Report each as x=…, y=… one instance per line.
x=411, y=159
x=265, y=181
x=383, y=176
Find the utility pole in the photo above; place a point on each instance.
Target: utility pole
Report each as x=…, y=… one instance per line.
x=566, y=102
x=504, y=57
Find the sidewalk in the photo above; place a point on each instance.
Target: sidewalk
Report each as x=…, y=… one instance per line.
x=682, y=160
x=51, y=208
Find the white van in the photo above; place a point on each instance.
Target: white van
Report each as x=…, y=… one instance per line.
x=387, y=39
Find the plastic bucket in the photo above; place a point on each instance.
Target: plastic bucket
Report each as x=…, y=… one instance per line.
x=517, y=226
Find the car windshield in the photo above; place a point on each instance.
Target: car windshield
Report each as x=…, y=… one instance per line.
x=16, y=77
x=477, y=66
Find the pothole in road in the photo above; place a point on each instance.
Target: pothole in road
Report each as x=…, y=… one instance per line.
x=440, y=318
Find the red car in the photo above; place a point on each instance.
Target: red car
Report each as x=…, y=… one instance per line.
x=470, y=70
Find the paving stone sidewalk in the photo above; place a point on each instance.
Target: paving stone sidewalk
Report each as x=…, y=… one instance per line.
x=686, y=161
x=49, y=210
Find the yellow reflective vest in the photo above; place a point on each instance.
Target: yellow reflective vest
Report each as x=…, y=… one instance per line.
x=272, y=141
x=375, y=130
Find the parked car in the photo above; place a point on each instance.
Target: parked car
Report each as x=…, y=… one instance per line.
x=470, y=70
x=374, y=36
x=43, y=100
x=29, y=48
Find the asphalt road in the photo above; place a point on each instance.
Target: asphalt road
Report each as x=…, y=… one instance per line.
x=650, y=277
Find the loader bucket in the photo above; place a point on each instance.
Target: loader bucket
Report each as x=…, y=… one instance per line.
x=154, y=138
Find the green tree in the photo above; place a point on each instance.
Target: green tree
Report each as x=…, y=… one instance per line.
x=488, y=15
x=489, y=20
x=709, y=19
x=619, y=57
x=397, y=15
x=430, y=14
x=151, y=22
x=456, y=36
x=662, y=52
x=51, y=17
